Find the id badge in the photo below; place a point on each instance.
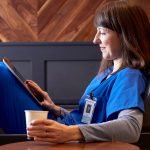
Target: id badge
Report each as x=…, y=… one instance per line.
x=88, y=110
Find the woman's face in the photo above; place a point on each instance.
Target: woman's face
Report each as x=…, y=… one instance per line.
x=109, y=43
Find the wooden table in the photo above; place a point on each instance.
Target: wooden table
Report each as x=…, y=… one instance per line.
x=32, y=145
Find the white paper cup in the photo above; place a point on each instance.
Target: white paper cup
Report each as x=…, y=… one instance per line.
x=32, y=115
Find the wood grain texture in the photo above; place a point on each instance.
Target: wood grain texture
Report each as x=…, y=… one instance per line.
x=51, y=20
x=145, y=4
x=15, y=22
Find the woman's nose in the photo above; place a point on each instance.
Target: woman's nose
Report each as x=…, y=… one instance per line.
x=96, y=39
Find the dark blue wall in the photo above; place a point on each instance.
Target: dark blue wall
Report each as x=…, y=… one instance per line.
x=62, y=69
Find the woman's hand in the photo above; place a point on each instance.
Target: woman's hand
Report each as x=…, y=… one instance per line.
x=54, y=132
x=46, y=101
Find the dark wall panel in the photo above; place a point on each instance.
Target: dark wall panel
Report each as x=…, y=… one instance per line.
x=62, y=69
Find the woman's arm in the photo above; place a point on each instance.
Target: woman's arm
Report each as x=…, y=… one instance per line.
x=126, y=127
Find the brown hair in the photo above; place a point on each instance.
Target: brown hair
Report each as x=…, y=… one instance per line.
x=133, y=28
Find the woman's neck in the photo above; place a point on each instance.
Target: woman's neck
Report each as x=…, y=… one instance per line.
x=117, y=64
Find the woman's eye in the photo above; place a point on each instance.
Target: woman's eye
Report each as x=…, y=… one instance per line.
x=102, y=33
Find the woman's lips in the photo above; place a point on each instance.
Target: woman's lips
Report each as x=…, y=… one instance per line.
x=102, y=48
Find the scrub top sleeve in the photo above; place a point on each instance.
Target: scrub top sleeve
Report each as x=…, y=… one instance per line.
x=127, y=92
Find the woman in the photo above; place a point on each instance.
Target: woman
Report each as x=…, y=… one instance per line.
x=112, y=106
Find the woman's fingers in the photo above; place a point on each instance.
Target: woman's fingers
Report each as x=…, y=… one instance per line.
x=43, y=129
x=35, y=89
x=30, y=81
x=43, y=122
x=42, y=125
x=33, y=85
x=41, y=95
x=41, y=134
x=48, y=130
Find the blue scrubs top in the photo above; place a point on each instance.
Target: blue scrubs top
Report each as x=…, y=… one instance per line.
x=123, y=90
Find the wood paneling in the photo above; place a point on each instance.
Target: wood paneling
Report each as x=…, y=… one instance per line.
x=51, y=20
x=18, y=20
x=145, y=4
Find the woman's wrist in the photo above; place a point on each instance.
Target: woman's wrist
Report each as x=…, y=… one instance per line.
x=75, y=133
x=57, y=110
x=54, y=109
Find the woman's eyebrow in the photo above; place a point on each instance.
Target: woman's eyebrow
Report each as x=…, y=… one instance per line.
x=102, y=29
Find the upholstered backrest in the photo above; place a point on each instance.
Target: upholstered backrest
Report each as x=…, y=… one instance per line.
x=146, y=122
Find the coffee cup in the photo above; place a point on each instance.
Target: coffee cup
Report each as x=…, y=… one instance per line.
x=31, y=115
